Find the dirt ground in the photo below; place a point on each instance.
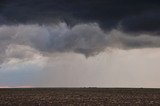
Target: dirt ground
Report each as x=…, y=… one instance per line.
x=79, y=97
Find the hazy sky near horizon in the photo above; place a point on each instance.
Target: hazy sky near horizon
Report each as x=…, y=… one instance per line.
x=79, y=43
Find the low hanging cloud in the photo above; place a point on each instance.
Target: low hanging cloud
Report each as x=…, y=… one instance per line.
x=24, y=41
x=86, y=27
x=85, y=39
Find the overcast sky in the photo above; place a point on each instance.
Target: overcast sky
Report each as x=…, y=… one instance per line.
x=79, y=43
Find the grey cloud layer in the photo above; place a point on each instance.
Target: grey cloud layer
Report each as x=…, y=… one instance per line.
x=85, y=39
x=23, y=41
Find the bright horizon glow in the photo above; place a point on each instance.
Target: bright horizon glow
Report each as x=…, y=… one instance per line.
x=16, y=87
x=116, y=68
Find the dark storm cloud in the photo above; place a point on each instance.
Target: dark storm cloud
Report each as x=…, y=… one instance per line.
x=81, y=26
x=147, y=22
x=133, y=15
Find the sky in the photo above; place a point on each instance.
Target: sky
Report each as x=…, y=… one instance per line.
x=80, y=43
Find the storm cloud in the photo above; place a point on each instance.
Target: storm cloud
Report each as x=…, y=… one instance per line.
x=59, y=34
x=79, y=26
x=23, y=41
x=139, y=16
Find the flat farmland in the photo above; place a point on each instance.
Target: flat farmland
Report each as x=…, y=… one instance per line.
x=79, y=97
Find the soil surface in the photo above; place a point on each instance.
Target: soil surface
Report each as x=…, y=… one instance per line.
x=79, y=97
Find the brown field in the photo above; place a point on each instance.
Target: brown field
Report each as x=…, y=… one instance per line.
x=79, y=97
